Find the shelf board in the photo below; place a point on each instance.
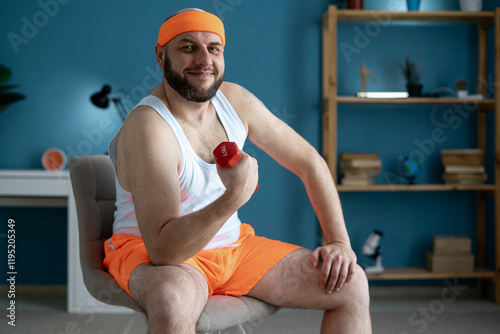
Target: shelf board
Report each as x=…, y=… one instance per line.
x=416, y=101
x=485, y=18
x=422, y=273
x=417, y=187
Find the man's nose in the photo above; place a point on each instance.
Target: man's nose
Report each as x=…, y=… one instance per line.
x=203, y=57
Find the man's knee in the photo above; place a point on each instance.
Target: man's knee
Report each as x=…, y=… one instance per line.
x=358, y=288
x=172, y=298
x=173, y=309
x=167, y=304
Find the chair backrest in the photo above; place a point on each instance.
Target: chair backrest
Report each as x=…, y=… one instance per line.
x=93, y=181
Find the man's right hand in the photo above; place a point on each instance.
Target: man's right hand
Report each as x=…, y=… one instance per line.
x=241, y=180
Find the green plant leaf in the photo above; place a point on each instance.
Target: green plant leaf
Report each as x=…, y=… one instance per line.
x=410, y=71
x=6, y=99
x=5, y=73
x=403, y=71
x=7, y=87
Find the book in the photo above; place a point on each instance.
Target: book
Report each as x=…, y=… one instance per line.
x=463, y=161
x=361, y=163
x=355, y=181
x=372, y=170
x=463, y=166
x=364, y=177
x=462, y=156
x=462, y=178
x=359, y=168
x=470, y=169
x=461, y=151
x=348, y=156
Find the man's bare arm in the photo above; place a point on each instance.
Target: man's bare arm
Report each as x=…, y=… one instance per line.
x=148, y=165
x=294, y=153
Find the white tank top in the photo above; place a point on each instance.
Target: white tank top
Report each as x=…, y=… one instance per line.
x=199, y=182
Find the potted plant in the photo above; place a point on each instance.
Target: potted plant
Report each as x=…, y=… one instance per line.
x=412, y=74
x=461, y=85
x=7, y=97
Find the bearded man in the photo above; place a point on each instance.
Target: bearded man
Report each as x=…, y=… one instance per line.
x=177, y=238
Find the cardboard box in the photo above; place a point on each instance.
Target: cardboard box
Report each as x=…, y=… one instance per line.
x=449, y=244
x=438, y=263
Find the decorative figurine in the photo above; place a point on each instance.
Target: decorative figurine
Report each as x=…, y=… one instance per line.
x=364, y=72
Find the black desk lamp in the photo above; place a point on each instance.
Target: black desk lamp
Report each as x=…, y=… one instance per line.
x=101, y=100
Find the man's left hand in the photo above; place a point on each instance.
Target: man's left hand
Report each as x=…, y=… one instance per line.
x=338, y=265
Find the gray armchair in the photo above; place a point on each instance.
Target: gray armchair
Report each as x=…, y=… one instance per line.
x=93, y=182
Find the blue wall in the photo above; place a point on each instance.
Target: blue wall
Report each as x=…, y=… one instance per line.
x=61, y=51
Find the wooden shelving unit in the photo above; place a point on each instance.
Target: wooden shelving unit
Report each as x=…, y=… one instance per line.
x=485, y=19
x=488, y=103
x=421, y=273
x=419, y=187
x=331, y=101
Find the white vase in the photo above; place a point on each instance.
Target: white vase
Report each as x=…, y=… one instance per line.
x=471, y=5
x=462, y=94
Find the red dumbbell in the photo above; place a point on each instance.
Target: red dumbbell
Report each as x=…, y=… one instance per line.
x=227, y=155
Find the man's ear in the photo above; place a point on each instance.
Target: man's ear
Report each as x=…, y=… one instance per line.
x=160, y=55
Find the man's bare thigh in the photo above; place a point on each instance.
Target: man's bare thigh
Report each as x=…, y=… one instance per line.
x=295, y=282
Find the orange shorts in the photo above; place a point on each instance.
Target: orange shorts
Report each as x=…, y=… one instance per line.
x=232, y=270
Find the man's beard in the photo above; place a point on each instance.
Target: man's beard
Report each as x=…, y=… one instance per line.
x=185, y=89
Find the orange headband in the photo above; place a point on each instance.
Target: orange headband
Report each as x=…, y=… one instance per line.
x=190, y=21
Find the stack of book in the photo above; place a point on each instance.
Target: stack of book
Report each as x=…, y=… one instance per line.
x=359, y=168
x=463, y=166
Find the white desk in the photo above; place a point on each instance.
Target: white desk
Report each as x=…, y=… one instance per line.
x=40, y=188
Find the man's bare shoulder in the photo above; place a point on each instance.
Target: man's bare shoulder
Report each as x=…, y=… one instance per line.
x=235, y=93
x=143, y=121
x=142, y=128
x=139, y=117
x=145, y=139
x=243, y=101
